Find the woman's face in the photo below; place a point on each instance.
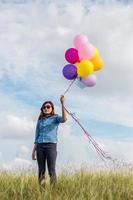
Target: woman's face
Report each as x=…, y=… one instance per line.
x=47, y=109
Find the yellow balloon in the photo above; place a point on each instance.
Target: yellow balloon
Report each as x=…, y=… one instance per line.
x=98, y=63
x=85, y=68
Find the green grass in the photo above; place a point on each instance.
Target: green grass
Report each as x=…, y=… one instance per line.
x=80, y=185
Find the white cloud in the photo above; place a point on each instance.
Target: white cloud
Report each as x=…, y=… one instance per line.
x=29, y=50
x=24, y=152
x=16, y=127
x=111, y=109
x=24, y=149
x=17, y=164
x=120, y=149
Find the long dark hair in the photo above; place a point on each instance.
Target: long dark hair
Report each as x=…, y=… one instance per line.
x=42, y=114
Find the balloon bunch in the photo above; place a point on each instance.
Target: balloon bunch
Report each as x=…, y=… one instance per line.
x=83, y=61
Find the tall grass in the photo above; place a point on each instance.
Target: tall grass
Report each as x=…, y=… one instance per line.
x=80, y=185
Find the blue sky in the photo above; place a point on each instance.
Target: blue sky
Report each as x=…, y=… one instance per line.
x=34, y=36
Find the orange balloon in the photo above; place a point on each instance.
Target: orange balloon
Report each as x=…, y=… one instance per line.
x=96, y=53
x=98, y=63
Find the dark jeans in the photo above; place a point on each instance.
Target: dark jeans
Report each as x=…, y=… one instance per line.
x=46, y=152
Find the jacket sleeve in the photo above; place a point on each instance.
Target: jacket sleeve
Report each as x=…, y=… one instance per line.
x=36, y=133
x=59, y=119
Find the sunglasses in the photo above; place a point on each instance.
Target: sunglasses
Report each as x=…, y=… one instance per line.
x=48, y=107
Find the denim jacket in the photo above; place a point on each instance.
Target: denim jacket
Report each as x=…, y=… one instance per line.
x=46, y=129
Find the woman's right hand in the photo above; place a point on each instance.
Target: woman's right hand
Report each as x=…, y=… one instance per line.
x=34, y=155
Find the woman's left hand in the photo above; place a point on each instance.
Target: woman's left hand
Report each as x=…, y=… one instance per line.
x=62, y=99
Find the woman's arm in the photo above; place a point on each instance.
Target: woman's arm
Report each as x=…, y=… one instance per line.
x=63, y=109
x=35, y=144
x=34, y=152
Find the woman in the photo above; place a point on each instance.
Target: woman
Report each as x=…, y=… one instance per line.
x=45, y=145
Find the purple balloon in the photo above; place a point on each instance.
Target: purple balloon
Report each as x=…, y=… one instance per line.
x=89, y=81
x=71, y=55
x=70, y=71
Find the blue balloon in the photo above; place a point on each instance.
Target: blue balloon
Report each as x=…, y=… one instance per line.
x=79, y=83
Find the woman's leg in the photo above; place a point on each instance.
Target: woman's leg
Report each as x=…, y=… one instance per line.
x=41, y=160
x=51, y=162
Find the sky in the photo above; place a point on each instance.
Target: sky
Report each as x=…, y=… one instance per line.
x=34, y=35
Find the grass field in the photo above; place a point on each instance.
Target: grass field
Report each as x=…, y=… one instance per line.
x=80, y=185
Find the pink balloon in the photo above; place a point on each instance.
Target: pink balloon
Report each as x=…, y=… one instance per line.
x=85, y=51
x=71, y=55
x=80, y=39
x=89, y=81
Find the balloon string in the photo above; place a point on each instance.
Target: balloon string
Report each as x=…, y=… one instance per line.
x=102, y=154
x=70, y=85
